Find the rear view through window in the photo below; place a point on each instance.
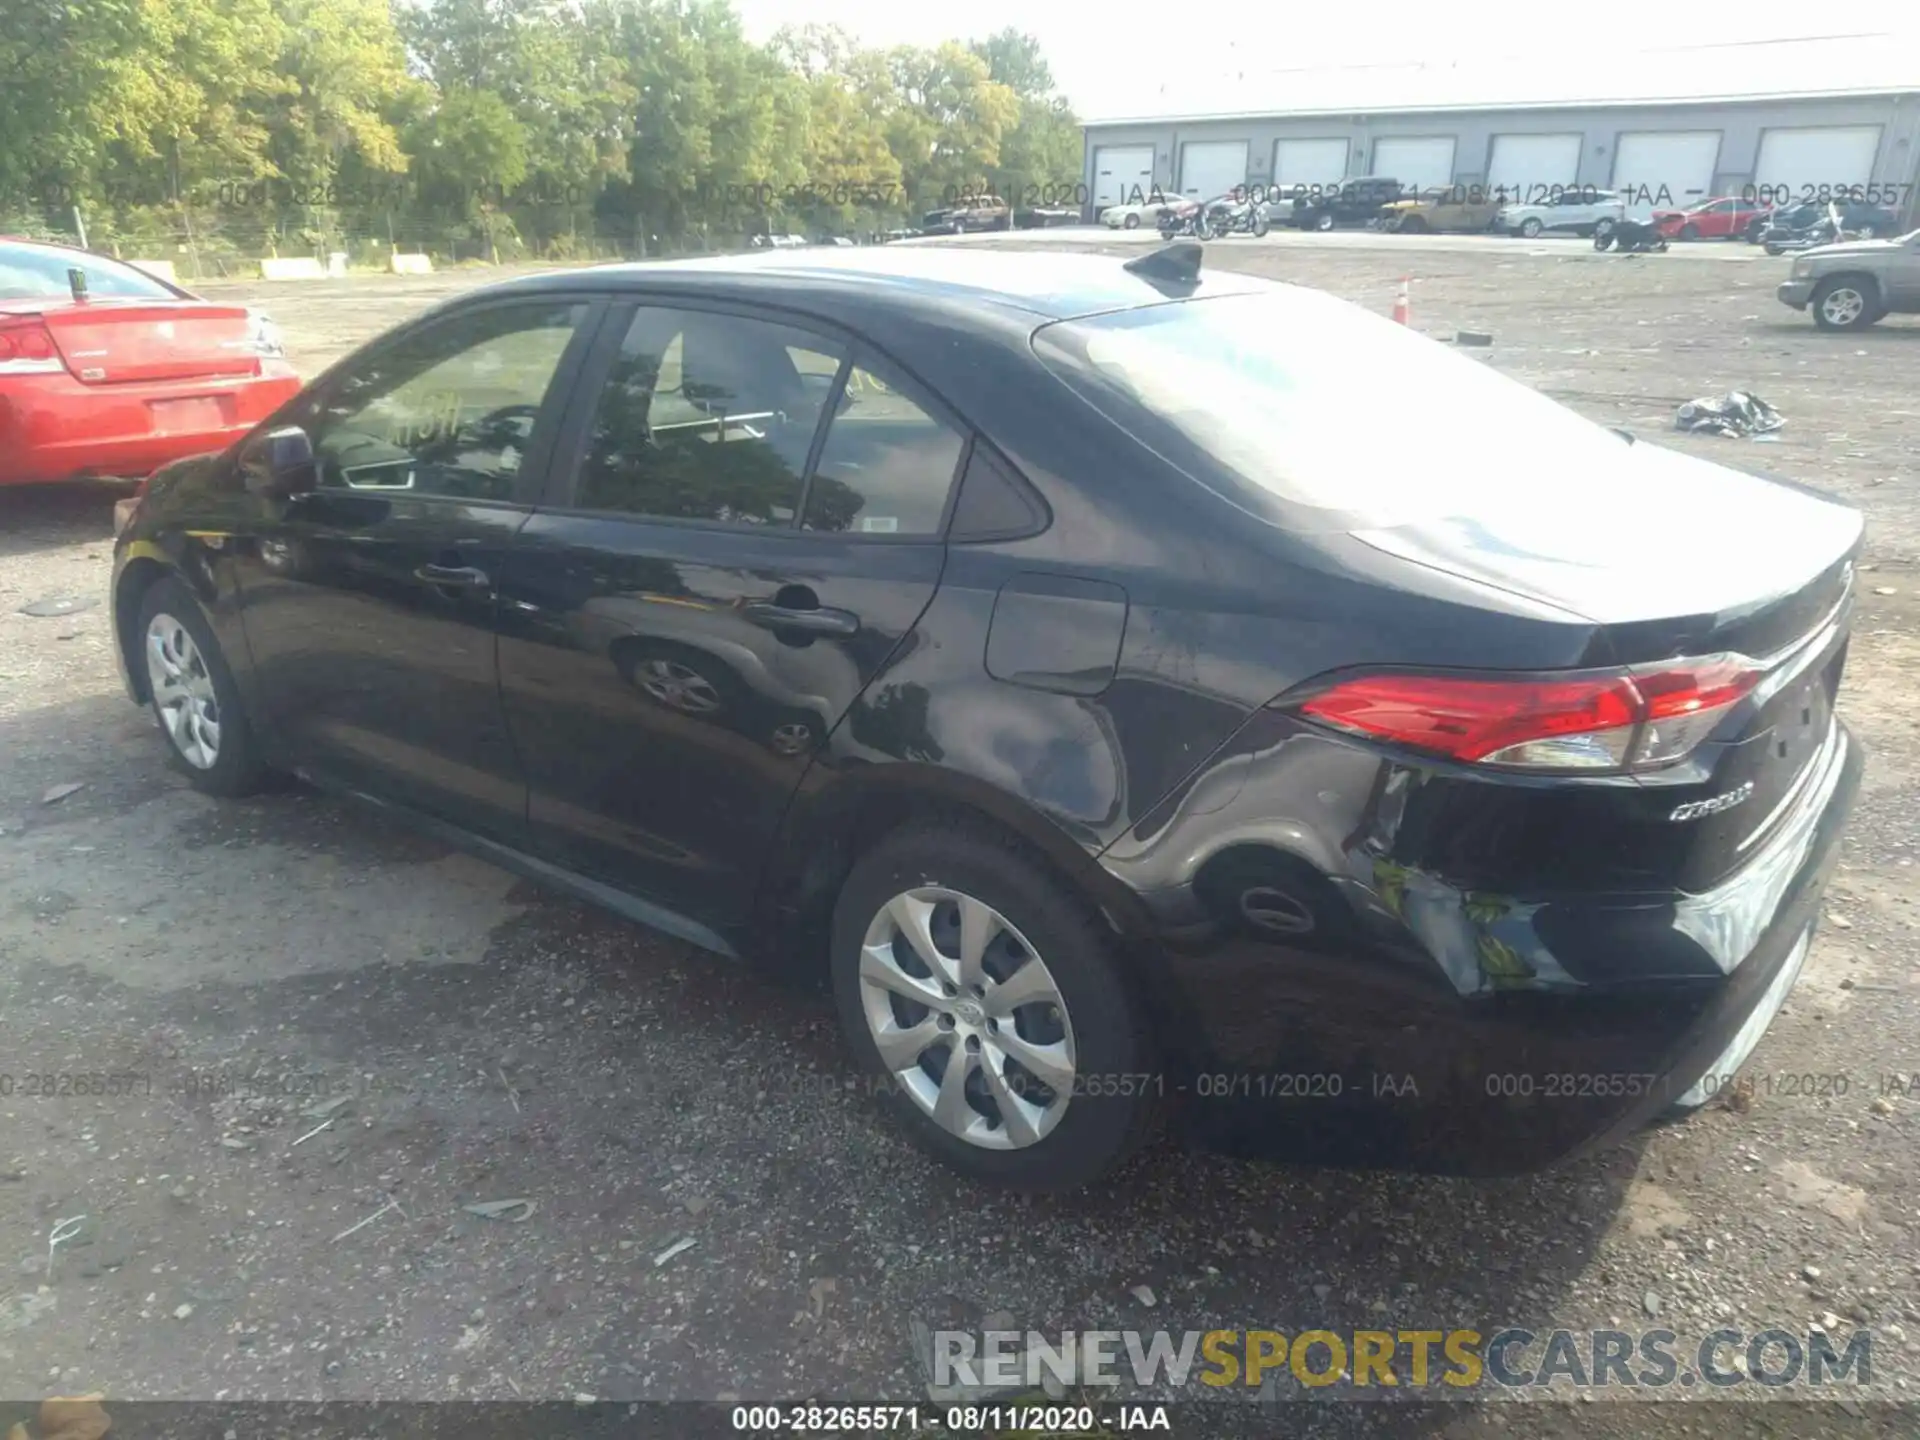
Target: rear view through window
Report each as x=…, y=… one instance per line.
x=33, y=272
x=1296, y=397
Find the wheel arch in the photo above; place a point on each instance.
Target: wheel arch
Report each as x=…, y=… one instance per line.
x=137, y=577
x=826, y=832
x=1866, y=280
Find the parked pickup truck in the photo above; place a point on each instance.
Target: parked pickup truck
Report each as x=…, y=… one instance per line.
x=1856, y=283
x=973, y=212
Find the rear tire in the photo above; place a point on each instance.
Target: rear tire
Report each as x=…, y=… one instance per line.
x=194, y=698
x=1091, y=1091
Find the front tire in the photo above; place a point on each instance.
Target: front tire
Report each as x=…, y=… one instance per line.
x=1530, y=228
x=194, y=698
x=1132, y=222
x=1689, y=231
x=953, y=948
x=1844, y=304
x=1323, y=222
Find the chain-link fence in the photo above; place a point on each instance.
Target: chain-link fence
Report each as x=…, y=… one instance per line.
x=221, y=243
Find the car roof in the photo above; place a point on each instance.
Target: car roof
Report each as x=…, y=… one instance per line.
x=1039, y=286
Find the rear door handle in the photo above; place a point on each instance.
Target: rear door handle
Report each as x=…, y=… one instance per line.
x=811, y=622
x=454, y=577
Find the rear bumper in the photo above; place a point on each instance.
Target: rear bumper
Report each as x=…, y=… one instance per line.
x=53, y=428
x=1351, y=1051
x=1797, y=293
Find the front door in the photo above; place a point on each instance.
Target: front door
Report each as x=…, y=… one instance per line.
x=369, y=602
x=745, y=529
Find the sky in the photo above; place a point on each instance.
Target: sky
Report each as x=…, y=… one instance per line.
x=1111, y=58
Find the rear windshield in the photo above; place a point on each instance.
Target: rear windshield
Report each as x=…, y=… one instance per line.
x=1294, y=401
x=28, y=272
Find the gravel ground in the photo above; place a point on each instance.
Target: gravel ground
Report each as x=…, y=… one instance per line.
x=252, y=963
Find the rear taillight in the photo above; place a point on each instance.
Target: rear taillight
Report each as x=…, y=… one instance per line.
x=1593, y=721
x=26, y=348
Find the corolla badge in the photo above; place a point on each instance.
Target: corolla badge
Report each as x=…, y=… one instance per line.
x=1695, y=809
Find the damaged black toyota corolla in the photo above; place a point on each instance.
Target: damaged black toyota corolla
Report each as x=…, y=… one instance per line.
x=1051, y=653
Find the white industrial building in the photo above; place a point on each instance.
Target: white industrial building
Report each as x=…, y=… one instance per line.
x=1670, y=127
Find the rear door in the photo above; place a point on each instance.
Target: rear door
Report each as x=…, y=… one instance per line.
x=744, y=528
x=369, y=603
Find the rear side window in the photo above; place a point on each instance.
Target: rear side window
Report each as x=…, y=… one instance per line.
x=1284, y=396
x=888, y=463
x=29, y=272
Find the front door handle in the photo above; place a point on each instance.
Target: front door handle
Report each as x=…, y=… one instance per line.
x=811, y=622
x=454, y=577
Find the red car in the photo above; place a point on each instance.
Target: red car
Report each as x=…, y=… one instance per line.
x=108, y=372
x=1724, y=219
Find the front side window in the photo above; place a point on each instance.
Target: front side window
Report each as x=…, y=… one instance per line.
x=707, y=416
x=448, y=410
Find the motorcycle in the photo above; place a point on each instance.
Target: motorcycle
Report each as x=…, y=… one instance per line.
x=1187, y=218
x=1826, y=231
x=1244, y=216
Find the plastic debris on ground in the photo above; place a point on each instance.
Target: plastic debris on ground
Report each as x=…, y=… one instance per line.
x=1738, y=414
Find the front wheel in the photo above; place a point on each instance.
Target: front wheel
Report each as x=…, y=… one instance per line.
x=1844, y=304
x=194, y=697
x=1260, y=227
x=1132, y=222
x=1689, y=231
x=1530, y=228
x=1323, y=222
x=981, y=994
x=1602, y=239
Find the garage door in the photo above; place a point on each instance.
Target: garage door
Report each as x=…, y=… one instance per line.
x=1532, y=167
x=1801, y=161
x=1122, y=175
x=1212, y=167
x=1309, y=162
x=1665, y=169
x=1417, y=160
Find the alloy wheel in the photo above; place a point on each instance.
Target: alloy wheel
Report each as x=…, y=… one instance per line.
x=967, y=1018
x=679, y=687
x=792, y=738
x=1843, y=306
x=183, y=692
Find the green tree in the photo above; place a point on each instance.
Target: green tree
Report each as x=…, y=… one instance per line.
x=948, y=119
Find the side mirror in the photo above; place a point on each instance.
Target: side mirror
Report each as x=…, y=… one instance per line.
x=279, y=464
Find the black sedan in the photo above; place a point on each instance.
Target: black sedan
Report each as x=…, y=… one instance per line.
x=1019, y=644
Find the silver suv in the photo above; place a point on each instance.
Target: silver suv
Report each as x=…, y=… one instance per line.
x=1851, y=285
x=1579, y=209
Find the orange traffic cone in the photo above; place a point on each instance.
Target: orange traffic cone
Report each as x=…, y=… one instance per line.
x=1400, y=305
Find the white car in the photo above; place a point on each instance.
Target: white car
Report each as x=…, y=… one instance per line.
x=1577, y=210
x=1142, y=212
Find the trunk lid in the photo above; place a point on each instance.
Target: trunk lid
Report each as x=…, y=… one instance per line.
x=113, y=342
x=1672, y=555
